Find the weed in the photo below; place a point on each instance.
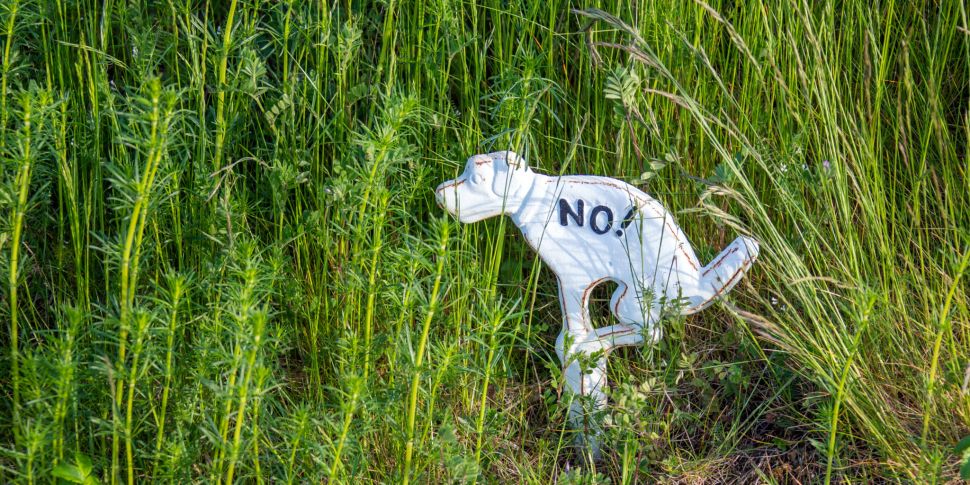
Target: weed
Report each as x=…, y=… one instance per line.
x=223, y=261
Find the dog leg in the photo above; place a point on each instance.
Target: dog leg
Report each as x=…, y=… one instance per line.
x=633, y=316
x=583, y=359
x=584, y=371
x=619, y=335
x=574, y=300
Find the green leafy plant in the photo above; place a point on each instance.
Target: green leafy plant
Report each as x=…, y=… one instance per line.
x=962, y=449
x=223, y=260
x=81, y=471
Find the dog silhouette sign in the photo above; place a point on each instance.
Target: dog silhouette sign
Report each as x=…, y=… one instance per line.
x=571, y=222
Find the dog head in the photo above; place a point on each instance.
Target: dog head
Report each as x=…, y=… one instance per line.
x=491, y=185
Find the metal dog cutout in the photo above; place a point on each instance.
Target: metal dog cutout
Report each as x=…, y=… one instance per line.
x=588, y=230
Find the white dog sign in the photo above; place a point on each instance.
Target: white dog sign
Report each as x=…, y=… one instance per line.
x=588, y=230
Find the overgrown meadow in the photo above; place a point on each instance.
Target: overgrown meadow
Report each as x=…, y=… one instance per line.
x=222, y=260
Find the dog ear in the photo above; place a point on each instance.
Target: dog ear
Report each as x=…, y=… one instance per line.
x=516, y=162
x=511, y=159
x=509, y=166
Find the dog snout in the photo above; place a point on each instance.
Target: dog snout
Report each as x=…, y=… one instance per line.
x=440, y=193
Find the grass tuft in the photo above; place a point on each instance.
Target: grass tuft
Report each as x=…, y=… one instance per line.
x=224, y=262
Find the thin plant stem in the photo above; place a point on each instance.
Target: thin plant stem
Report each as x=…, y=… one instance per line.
x=419, y=355
x=23, y=186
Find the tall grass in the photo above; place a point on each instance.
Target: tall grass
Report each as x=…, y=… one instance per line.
x=224, y=262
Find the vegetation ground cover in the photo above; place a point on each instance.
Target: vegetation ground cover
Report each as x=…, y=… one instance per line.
x=223, y=261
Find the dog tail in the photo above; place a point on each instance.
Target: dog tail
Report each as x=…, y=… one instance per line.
x=718, y=277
